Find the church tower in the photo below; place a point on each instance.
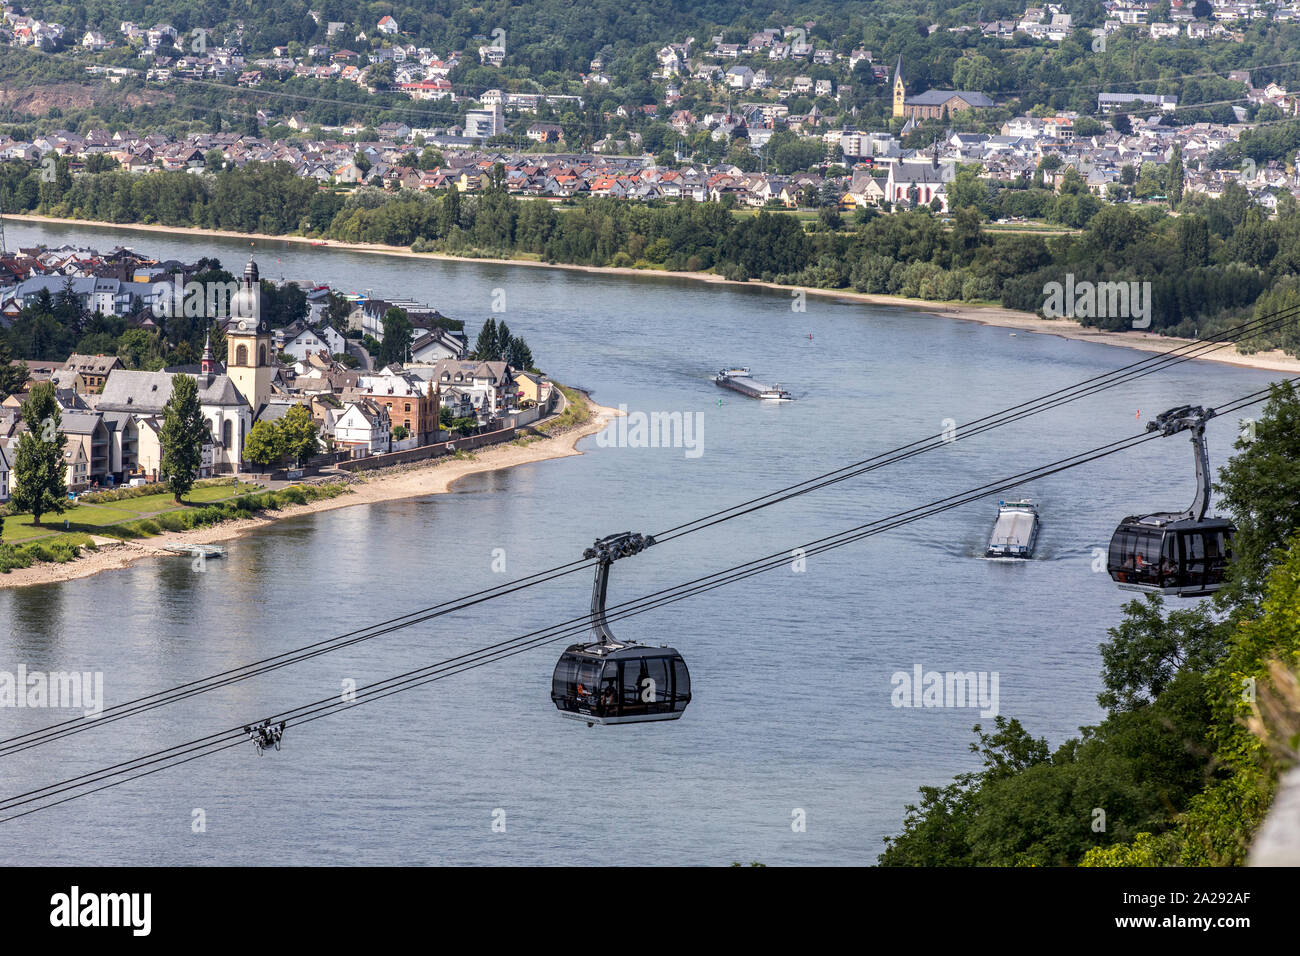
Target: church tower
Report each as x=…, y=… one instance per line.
x=900, y=90
x=248, y=342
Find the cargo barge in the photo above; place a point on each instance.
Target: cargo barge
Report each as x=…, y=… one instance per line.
x=738, y=379
x=1015, y=533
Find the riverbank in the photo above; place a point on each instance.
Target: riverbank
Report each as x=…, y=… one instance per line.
x=408, y=481
x=993, y=315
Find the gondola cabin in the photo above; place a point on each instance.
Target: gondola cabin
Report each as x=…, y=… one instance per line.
x=621, y=683
x=1183, y=553
x=608, y=681
x=1170, y=554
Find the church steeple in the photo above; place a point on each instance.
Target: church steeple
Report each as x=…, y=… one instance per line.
x=900, y=89
x=249, y=359
x=209, y=364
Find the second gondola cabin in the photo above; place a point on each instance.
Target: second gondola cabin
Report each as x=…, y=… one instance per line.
x=1180, y=553
x=1170, y=554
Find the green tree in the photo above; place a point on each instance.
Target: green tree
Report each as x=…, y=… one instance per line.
x=263, y=445
x=1148, y=649
x=398, y=334
x=39, y=471
x=12, y=374
x=298, y=433
x=183, y=432
x=485, y=346
x=1260, y=489
x=1174, y=177
x=518, y=354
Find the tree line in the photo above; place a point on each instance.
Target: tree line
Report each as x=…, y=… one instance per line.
x=1207, y=267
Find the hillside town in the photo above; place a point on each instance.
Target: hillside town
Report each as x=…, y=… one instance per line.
x=778, y=84
x=112, y=414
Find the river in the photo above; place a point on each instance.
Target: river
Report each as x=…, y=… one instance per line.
x=791, y=751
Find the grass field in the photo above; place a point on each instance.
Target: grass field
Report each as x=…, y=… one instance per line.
x=84, y=519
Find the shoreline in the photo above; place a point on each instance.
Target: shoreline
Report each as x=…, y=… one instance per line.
x=432, y=478
x=1274, y=360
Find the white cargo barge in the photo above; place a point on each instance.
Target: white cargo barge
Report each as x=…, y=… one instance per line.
x=1016, y=530
x=739, y=380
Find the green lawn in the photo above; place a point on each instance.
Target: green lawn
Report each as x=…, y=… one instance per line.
x=84, y=519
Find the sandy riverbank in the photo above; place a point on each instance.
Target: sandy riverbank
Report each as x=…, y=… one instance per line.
x=434, y=478
x=1273, y=361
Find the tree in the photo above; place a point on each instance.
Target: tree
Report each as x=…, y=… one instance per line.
x=12, y=374
x=263, y=445
x=518, y=354
x=485, y=346
x=183, y=432
x=1260, y=489
x=400, y=433
x=337, y=312
x=449, y=211
x=1174, y=178
x=1147, y=650
x=298, y=433
x=39, y=472
x=134, y=346
x=398, y=334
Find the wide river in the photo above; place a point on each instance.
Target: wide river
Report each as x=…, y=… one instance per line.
x=792, y=721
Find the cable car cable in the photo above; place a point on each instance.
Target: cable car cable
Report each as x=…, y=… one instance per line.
x=1091, y=386
x=509, y=648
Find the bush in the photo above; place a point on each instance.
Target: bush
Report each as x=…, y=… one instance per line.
x=979, y=289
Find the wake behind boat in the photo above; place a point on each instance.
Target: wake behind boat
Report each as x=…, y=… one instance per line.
x=738, y=379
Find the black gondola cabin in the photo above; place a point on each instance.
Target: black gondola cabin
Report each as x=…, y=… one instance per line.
x=621, y=683
x=1182, y=553
x=608, y=681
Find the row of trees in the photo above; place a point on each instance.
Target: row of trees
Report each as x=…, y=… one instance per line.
x=1207, y=267
x=495, y=343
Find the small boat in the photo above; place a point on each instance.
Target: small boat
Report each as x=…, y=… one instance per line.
x=195, y=550
x=1016, y=530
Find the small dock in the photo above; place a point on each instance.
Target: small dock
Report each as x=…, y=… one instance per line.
x=194, y=550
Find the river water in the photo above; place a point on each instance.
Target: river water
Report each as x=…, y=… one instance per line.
x=791, y=751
